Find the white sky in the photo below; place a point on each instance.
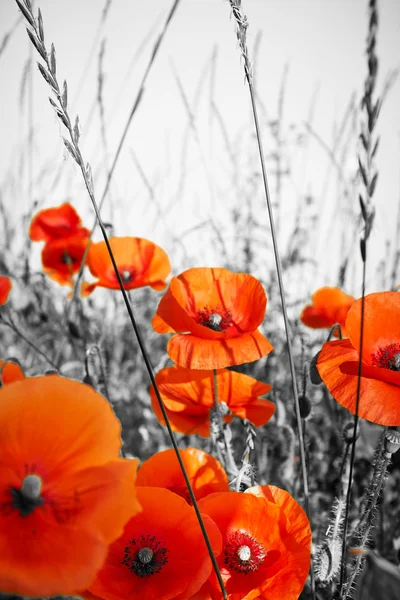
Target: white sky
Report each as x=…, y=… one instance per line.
x=322, y=43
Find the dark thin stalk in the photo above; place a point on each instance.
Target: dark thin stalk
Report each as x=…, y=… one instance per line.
x=354, y=440
x=241, y=30
x=49, y=74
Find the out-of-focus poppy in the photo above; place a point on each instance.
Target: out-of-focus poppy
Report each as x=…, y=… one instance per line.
x=139, y=261
x=64, y=493
x=62, y=258
x=380, y=370
x=266, y=544
x=5, y=288
x=161, y=554
x=330, y=305
x=205, y=473
x=188, y=397
x=55, y=223
x=10, y=371
x=216, y=314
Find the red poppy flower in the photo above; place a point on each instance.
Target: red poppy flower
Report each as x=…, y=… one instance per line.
x=10, y=371
x=266, y=544
x=62, y=257
x=218, y=312
x=161, y=554
x=140, y=263
x=55, y=223
x=64, y=493
x=5, y=288
x=205, y=473
x=189, y=396
x=330, y=305
x=380, y=376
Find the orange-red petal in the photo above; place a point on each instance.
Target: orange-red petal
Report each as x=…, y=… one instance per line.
x=62, y=258
x=5, y=288
x=381, y=322
x=379, y=393
x=139, y=261
x=205, y=473
x=54, y=223
x=330, y=305
x=193, y=352
x=10, y=371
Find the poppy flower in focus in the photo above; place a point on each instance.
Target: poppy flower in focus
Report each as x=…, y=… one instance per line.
x=55, y=223
x=380, y=370
x=64, y=493
x=139, y=261
x=205, y=473
x=216, y=314
x=161, y=554
x=330, y=305
x=10, y=371
x=5, y=288
x=188, y=396
x=62, y=258
x=266, y=540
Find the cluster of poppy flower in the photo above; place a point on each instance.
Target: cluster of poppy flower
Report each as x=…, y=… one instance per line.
x=140, y=262
x=75, y=521
x=338, y=361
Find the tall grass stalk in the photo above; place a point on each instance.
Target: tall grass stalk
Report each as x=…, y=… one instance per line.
x=36, y=35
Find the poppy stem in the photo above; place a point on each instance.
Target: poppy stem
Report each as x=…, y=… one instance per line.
x=241, y=32
x=221, y=434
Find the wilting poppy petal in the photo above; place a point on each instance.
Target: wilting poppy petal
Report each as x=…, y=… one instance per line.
x=54, y=223
x=62, y=258
x=380, y=372
x=5, y=288
x=10, y=371
x=330, y=305
x=266, y=544
x=139, y=261
x=60, y=480
x=205, y=473
x=219, y=311
x=161, y=554
x=188, y=396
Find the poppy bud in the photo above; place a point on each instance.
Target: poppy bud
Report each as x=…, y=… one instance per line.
x=314, y=373
x=392, y=441
x=305, y=406
x=348, y=432
x=89, y=380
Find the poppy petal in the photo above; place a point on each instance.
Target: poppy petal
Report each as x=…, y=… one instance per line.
x=379, y=400
x=192, y=352
x=10, y=371
x=52, y=223
x=5, y=288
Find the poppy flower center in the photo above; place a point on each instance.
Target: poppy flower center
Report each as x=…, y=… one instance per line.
x=67, y=259
x=243, y=553
x=145, y=556
x=387, y=357
x=216, y=318
x=127, y=274
x=182, y=491
x=28, y=497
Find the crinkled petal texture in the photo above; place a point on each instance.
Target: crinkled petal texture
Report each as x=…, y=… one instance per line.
x=188, y=396
x=62, y=258
x=139, y=261
x=272, y=531
x=5, y=288
x=54, y=223
x=205, y=473
x=64, y=435
x=330, y=305
x=10, y=371
x=220, y=312
x=161, y=554
x=380, y=375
